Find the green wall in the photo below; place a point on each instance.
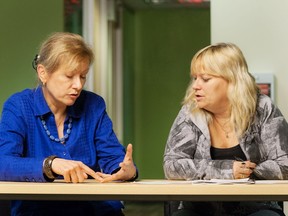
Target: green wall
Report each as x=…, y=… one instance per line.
x=23, y=26
x=158, y=47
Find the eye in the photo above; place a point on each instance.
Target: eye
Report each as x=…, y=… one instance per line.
x=206, y=79
x=83, y=77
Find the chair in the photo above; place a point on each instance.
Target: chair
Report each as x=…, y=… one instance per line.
x=170, y=207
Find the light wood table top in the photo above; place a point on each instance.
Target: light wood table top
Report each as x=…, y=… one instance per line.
x=149, y=190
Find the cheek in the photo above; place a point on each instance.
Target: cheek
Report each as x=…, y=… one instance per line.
x=221, y=92
x=58, y=88
x=83, y=83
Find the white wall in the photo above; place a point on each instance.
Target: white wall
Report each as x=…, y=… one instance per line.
x=260, y=29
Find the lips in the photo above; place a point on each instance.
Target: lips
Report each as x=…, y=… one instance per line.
x=198, y=97
x=74, y=95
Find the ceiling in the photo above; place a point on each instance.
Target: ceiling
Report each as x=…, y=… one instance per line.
x=148, y=4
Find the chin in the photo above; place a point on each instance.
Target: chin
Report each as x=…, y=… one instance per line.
x=69, y=103
x=200, y=106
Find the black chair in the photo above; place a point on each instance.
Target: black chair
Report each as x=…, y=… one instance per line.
x=170, y=207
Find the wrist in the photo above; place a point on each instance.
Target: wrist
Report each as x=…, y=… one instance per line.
x=134, y=177
x=47, y=167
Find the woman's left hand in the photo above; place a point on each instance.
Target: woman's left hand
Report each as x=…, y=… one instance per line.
x=243, y=169
x=127, y=169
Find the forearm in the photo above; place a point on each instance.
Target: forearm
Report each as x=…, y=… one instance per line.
x=271, y=170
x=192, y=169
x=21, y=169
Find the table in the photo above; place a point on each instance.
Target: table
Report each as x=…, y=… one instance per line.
x=144, y=190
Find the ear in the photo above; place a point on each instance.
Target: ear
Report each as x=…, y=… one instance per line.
x=42, y=73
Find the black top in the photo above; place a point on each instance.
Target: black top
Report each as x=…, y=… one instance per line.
x=233, y=153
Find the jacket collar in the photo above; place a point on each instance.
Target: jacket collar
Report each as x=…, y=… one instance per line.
x=200, y=121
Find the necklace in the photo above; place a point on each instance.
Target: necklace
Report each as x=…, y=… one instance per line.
x=222, y=127
x=60, y=140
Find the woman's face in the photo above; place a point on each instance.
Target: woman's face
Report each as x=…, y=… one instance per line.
x=62, y=87
x=211, y=93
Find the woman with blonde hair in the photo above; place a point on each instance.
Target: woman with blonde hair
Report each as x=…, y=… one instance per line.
x=226, y=129
x=58, y=130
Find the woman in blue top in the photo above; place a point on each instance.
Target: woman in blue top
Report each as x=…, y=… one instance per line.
x=61, y=130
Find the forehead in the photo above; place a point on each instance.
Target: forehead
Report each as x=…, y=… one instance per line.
x=74, y=64
x=202, y=69
x=204, y=74
x=206, y=63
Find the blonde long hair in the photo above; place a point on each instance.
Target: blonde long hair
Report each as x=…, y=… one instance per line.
x=226, y=60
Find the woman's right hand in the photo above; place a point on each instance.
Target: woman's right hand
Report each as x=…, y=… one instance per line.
x=73, y=171
x=243, y=169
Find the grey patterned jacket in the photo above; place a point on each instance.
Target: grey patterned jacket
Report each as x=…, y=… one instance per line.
x=187, y=154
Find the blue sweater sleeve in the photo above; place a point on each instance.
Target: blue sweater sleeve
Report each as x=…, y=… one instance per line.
x=13, y=131
x=109, y=151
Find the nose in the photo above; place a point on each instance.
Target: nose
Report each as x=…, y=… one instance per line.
x=78, y=83
x=196, y=84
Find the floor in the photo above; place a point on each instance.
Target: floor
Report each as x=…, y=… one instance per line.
x=144, y=208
